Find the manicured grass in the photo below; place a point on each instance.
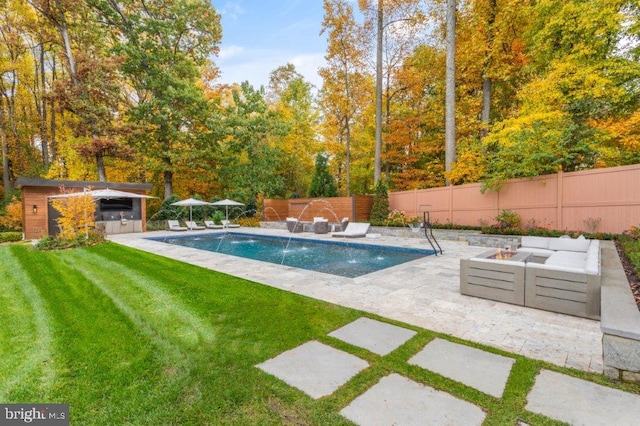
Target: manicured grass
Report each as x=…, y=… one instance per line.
x=126, y=337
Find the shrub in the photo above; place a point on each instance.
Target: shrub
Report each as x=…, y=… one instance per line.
x=9, y=237
x=399, y=218
x=631, y=248
x=11, y=220
x=508, y=219
x=217, y=217
x=77, y=215
x=380, y=208
x=81, y=240
x=251, y=222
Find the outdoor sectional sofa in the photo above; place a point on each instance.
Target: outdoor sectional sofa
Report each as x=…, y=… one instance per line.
x=568, y=280
x=555, y=274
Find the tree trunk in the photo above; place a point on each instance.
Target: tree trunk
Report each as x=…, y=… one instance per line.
x=168, y=178
x=347, y=130
x=54, y=145
x=102, y=175
x=486, y=105
x=378, y=151
x=6, y=183
x=450, y=113
x=487, y=83
x=44, y=140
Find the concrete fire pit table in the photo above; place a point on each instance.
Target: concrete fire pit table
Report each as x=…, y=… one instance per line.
x=496, y=275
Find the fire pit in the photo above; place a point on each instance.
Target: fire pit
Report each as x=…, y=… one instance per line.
x=496, y=275
x=502, y=255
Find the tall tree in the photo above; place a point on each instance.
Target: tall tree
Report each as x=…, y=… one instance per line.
x=250, y=161
x=322, y=183
x=166, y=45
x=345, y=82
x=397, y=27
x=291, y=97
x=450, y=101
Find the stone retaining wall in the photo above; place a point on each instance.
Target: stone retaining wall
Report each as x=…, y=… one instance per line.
x=620, y=320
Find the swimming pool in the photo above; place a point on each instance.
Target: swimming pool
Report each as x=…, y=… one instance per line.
x=344, y=258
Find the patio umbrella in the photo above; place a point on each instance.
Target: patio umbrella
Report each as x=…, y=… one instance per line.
x=191, y=202
x=104, y=194
x=226, y=203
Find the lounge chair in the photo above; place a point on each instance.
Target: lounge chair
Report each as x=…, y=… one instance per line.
x=228, y=224
x=210, y=225
x=193, y=226
x=354, y=230
x=342, y=226
x=174, y=225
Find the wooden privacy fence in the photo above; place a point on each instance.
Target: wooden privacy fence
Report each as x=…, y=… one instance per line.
x=357, y=208
x=600, y=200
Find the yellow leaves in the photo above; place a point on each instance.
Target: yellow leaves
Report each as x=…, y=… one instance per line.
x=510, y=131
x=469, y=167
x=77, y=215
x=13, y=218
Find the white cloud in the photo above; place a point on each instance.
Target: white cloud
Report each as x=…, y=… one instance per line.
x=232, y=10
x=255, y=66
x=230, y=52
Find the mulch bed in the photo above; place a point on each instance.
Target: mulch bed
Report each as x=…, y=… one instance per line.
x=632, y=277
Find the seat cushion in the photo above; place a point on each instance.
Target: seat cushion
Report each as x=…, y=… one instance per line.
x=565, y=244
x=568, y=259
x=535, y=242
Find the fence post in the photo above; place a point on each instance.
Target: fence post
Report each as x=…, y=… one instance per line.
x=560, y=202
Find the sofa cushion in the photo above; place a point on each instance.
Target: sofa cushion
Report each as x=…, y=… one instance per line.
x=547, y=267
x=568, y=259
x=535, y=242
x=564, y=244
x=593, y=258
x=537, y=251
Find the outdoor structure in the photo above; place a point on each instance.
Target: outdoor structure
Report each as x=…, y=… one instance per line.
x=115, y=215
x=357, y=208
x=599, y=200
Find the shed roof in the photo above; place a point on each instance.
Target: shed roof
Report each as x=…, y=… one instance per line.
x=21, y=182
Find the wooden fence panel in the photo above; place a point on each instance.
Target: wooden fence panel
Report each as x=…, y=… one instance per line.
x=356, y=208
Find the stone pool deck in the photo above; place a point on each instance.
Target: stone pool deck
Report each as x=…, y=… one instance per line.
x=424, y=293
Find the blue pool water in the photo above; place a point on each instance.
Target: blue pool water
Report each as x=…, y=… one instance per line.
x=344, y=258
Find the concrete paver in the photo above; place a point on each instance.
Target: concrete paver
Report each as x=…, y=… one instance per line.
x=316, y=369
x=378, y=337
x=579, y=402
x=479, y=369
x=396, y=400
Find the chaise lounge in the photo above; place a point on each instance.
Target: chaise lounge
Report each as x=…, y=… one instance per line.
x=228, y=224
x=174, y=225
x=354, y=230
x=192, y=226
x=210, y=225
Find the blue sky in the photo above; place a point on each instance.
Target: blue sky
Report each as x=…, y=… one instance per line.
x=261, y=35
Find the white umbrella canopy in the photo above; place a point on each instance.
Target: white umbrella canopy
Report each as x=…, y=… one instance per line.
x=105, y=194
x=191, y=202
x=226, y=203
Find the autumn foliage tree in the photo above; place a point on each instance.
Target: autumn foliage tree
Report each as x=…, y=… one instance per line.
x=77, y=215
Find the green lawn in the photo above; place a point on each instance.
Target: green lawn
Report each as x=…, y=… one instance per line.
x=126, y=337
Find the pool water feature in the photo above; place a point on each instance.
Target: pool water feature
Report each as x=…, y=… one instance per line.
x=344, y=258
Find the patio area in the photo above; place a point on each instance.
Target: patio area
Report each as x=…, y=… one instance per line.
x=423, y=293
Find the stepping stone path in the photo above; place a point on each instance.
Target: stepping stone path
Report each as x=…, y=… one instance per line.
x=479, y=369
x=319, y=370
